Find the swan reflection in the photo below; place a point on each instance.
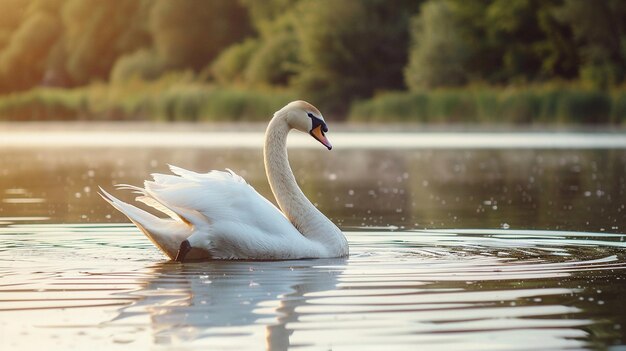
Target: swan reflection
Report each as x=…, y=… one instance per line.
x=210, y=301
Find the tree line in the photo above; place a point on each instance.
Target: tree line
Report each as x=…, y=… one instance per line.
x=332, y=52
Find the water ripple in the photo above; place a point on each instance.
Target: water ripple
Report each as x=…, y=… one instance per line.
x=442, y=289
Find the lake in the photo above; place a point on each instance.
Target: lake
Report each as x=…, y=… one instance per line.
x=465, y=241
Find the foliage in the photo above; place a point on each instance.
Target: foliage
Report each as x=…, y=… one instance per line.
x=264, y=15
x=173, y=97
x=97, y=33
x=143, y=64
x=618, y=106
x=74, y=42
x=23, y=60
x=351, y=48
x=330, y=52
x=274, y=62
x=190, y=34
x=230, y=66
x=438, y=54
x=11, y=15
x=599, y=31
x=540, y=104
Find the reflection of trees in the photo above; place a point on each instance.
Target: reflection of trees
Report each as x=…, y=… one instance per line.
x=541, y=189
x=355, y=187
x=577, y=189
x=68, y=179
x=188, y=301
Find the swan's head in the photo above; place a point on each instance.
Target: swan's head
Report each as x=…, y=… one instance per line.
x=307, y=118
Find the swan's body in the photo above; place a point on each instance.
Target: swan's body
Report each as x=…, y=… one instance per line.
x=218, y=215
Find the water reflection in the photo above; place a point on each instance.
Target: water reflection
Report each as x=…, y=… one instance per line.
x=451, y=249
x=517, y=189
x=219, y=299
x=448, y=289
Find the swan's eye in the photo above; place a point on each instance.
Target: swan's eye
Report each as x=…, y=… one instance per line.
x=317, y=122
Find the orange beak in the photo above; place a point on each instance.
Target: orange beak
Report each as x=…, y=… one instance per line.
x=318, y=134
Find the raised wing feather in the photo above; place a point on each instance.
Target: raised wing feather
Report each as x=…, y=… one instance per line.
x=210, y=176
x=217, y=196
x=158, y=206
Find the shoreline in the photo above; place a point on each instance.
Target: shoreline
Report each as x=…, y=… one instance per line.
x=344, y=127
x=239, y=139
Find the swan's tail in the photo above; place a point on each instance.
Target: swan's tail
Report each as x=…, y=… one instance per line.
x=165, y=233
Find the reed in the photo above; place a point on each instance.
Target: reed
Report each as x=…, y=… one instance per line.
x=535, y=104
x=181, y=97
x=139, y=100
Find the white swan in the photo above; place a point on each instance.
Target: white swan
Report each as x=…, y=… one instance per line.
x=218, y=215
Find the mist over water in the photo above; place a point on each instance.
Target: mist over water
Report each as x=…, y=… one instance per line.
x=451, y=248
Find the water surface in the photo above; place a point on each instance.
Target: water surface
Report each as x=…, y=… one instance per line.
x=469, y=246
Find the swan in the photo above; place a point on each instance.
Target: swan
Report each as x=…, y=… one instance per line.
x=217, y=215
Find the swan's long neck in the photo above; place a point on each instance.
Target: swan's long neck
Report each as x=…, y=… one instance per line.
x=294, y=204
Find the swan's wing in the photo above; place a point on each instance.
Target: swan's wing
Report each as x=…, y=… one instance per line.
x=218, y=196
x=147, y=200
x=158, y=206
x=227, y=215
x=212, y=175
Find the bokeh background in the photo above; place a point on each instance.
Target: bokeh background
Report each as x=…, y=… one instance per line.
x=437, y=61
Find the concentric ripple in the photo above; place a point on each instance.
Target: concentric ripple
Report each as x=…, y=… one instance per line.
x=76, y=286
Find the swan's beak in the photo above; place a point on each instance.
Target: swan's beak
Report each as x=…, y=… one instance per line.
x=185, y=247
x=318, y=134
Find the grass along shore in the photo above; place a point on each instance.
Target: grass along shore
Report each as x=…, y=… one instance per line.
x=176, y=100
x=525, y=105
x=138, y=100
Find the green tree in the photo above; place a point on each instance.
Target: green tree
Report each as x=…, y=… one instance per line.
x=190, y=34
x=265, y=14
x=438, y=54
x=272, y=57
x=143, y=63
x=514, y=32
x=507, y=40
x=23, y=60
x=351, y=48
x=275, y=62
x=11, y=15
x=98, y=33
x=229, y=67
x=495, y=41
x=599, y=29
x=560, y=56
